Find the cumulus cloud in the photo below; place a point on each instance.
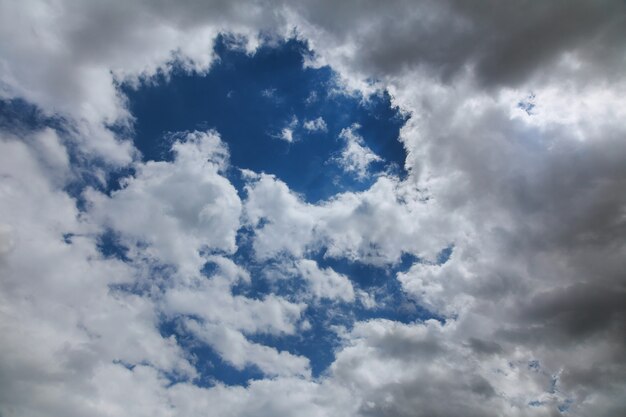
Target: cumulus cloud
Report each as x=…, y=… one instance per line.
x=531, y=300
x=315, y=125
x=237, y=350
x=375, y=226
x=355, y=157
x=194, y=207
x=287, y=133
x=6, y=238
x=60, y=321
x=528, y=190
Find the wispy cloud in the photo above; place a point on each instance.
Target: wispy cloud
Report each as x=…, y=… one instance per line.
x=356, y=157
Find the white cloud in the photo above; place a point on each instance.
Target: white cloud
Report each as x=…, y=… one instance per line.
x=287, y=134
x=530, y=239
x=212, y=301
x=366, y=299
x=177, y=208
x=315, y=125
x=234, y=348
x=356, y=157
x=298, y=398
x=324, y=282
x=421, y=369
x=269, y=92
x=534, y=205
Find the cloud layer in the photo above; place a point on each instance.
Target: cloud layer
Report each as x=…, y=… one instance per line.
x=516, y=163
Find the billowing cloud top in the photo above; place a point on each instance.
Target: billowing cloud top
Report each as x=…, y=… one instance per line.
x=355, y=208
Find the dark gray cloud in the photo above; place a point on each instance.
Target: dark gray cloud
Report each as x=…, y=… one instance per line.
x=504, y=43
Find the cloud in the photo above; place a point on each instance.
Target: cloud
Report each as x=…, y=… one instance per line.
x=315, y=125
x=324, y=282
x=355, y=157
x=449, y=38
x=375, y=226
x=237, y=350
x=60, y=319
x=194, y=206
x=117, y=42
x=530, y=237
x=287, y=134
x=531, y=297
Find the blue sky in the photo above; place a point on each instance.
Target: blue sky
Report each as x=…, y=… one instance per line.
x=249, y=100
x=312, y=209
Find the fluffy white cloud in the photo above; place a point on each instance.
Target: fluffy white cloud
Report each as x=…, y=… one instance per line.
x=537, y=221
x=234, y=348
x=176, y=208
x=212, y=301
x=298, y=398
x=355, y=157
x=287, y=133
x=375, y=226
x=324, y=282
x=59, y=319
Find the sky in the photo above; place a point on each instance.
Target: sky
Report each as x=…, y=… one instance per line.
x=267, y=208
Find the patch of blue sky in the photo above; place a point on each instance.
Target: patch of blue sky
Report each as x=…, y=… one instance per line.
x=250, y=99
x=319, y=341
x=528, y=104
x=565, y=406
x=534, y=365
x=379, y=281
x=19, y=116
x=444, y=255
x=110, y=246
